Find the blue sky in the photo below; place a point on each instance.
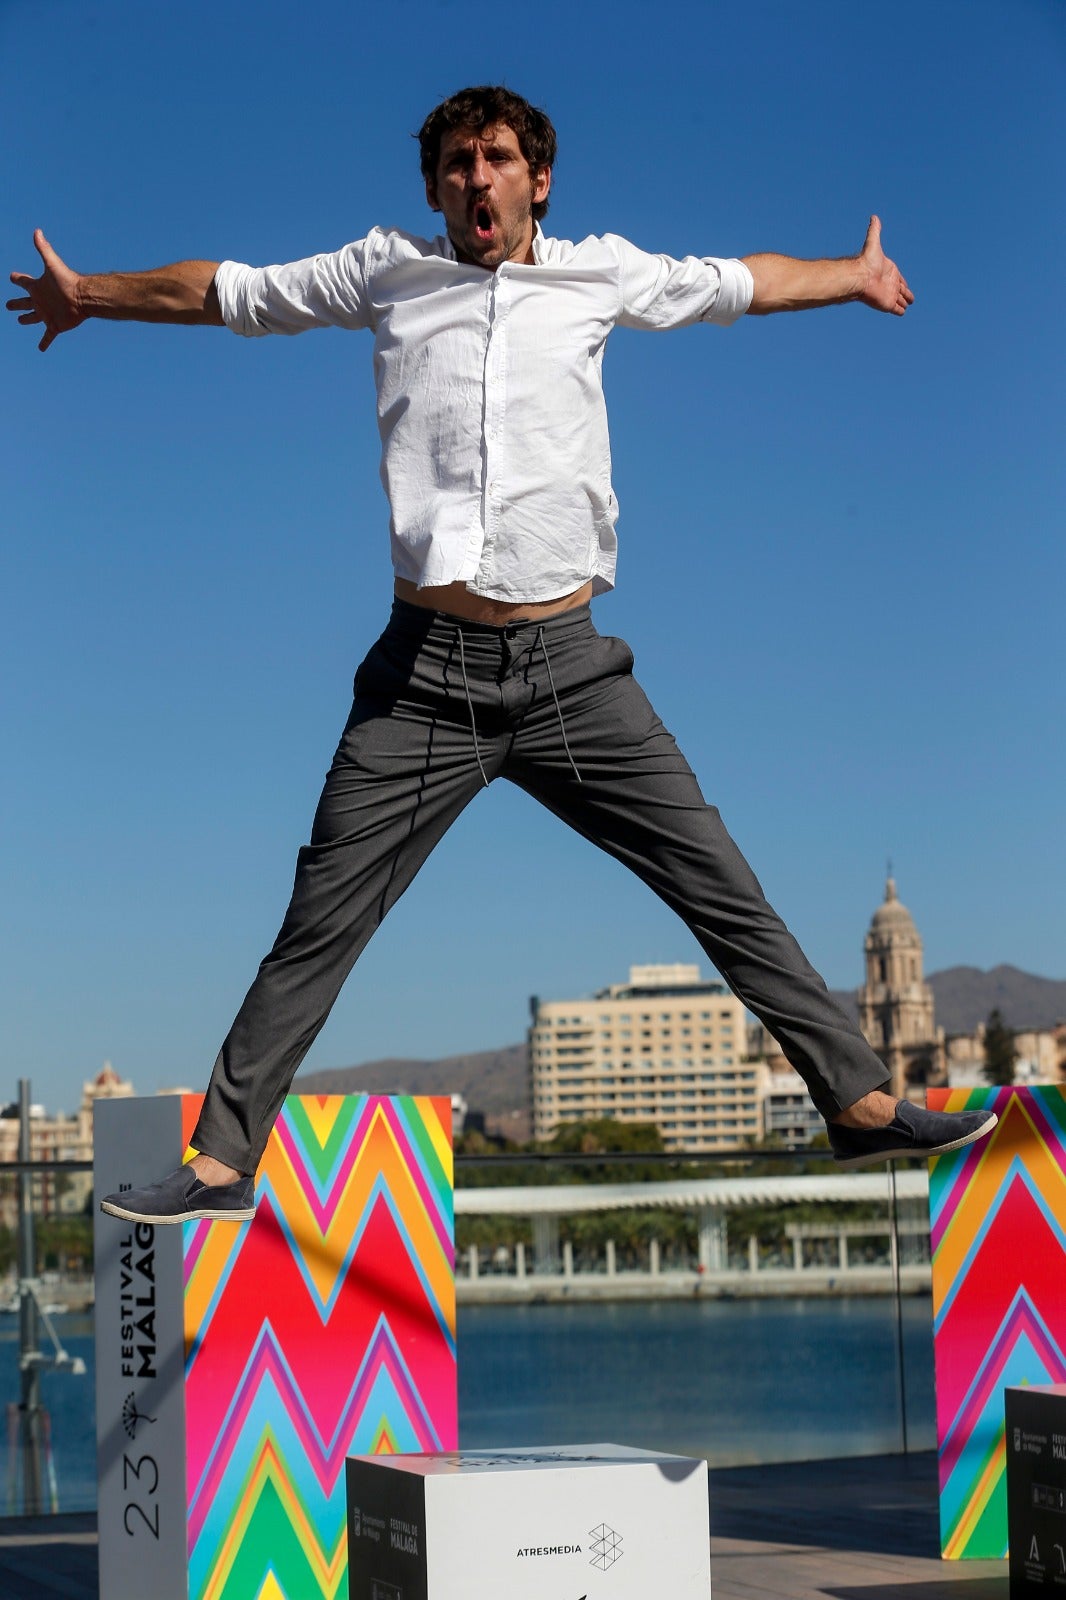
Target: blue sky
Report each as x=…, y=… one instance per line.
x=841, y=559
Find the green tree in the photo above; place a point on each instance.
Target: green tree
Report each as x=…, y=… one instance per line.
x=65, y=1244
x=602, y=1136
x=1000, y=1053
x=472, y=1142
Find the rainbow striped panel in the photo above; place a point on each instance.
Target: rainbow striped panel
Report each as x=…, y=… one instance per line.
x=324, y=1328
x=997, y=1211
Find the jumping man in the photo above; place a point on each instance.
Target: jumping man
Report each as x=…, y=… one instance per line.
x=488, y=343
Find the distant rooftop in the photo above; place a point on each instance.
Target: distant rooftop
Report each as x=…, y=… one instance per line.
x=661, y=978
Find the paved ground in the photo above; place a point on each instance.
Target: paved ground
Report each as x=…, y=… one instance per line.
x=46, y=1557
x=838, y=1530
x=827, y=1530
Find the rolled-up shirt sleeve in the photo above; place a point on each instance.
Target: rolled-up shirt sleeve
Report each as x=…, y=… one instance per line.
x=659, y=291
x=324, y=291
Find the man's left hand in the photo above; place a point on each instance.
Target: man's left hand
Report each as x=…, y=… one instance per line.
x=886, y=287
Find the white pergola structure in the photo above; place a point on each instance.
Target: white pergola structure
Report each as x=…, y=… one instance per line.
x=712, y=1199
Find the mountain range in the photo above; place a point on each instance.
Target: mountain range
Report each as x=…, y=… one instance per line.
x=964, y=996
x=495, y=1082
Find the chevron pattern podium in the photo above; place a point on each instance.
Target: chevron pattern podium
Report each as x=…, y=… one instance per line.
x=239, y=1364
x=998, y=1216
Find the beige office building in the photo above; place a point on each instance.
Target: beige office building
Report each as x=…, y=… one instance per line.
x=58, y=1138
x=666, y=1047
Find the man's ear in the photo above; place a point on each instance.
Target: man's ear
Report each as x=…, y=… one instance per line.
x=542, y=182
x=431, y=194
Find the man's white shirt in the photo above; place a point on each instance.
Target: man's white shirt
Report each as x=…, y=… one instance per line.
x=495, y=453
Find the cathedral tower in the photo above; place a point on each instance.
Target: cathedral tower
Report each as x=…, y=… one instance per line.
x=895, y=1003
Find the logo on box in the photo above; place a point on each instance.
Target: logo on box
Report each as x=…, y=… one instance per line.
x=131, y=1416
x=606, y=1547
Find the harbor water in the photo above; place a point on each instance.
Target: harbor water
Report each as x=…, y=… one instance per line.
x=736, y=1381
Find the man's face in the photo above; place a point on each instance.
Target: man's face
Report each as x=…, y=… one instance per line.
x=486, y=190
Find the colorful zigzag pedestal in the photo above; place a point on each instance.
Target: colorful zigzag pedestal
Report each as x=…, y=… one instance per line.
x=998, y=1218
x=273, y=1349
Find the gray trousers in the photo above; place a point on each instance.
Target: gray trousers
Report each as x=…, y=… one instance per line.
x=441, y=707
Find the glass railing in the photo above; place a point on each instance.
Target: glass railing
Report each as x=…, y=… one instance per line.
x=46, y=1338
x=751, y=1308
x=756, y=1307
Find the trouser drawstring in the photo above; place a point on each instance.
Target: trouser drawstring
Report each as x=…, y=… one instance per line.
x=555, y=697
x=470, y=708
x=555, y=700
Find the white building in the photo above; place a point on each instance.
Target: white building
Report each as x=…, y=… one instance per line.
x=59, y=1138
x=666, y=1048
x=1037, y=1059
x=788, y=1112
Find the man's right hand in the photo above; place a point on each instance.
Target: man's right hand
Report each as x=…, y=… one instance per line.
x=52, y=298
x=182, y=293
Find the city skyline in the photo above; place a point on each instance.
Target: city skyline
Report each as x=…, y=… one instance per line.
x=1025, y=1027
x=840, y=536
x=667, y=1046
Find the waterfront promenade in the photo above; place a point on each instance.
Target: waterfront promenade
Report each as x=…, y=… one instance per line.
x=857, y=1529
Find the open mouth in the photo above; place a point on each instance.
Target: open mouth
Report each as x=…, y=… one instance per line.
x=484, y=226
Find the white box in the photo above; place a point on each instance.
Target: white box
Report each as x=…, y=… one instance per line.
x=580, y=1522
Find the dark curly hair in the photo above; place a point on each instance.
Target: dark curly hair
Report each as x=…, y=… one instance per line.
x=484, y=107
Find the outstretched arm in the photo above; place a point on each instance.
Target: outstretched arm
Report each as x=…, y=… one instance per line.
x=784, y=284
x=61, y=298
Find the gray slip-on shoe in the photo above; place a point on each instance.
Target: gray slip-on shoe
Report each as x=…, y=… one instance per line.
x=913, y=1131
x=183, y=1197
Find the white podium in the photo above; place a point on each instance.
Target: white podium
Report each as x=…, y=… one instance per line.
x=583, y=1522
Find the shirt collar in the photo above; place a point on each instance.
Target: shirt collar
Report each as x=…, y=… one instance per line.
x=538, y=246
